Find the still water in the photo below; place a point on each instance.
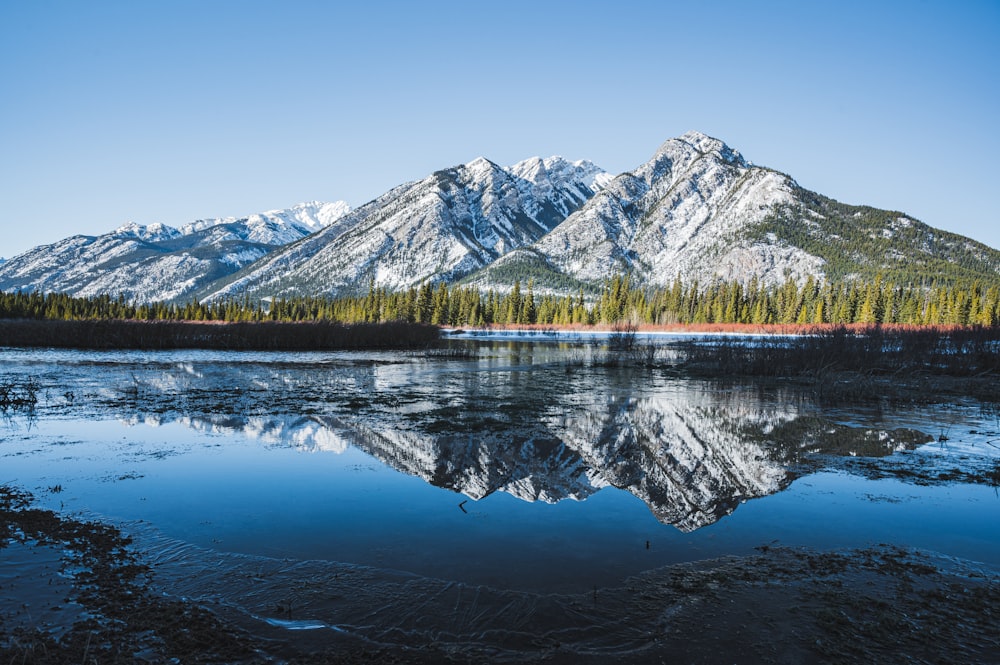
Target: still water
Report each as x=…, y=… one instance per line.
x=516, y=465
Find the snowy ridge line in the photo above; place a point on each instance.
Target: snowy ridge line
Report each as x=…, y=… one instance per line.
x=697, y=210
x=157, y=262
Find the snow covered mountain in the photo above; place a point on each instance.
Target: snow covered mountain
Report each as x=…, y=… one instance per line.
x=159, y=262
x=443, y=227
x=699, y=211
x=278, y=227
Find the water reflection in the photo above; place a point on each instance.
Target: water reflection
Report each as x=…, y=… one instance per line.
x=691, y=461
x=343, y=457
x=252, y=483
x=520, y=423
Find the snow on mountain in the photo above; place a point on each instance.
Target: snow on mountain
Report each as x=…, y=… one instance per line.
x=443, y=227
x=699, y=211
x=680, y=213
x=158, y=262
x=278, y=227
x=151, y=233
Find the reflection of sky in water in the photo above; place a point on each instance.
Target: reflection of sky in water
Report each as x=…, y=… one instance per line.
x=469, y=470
x=227, y=493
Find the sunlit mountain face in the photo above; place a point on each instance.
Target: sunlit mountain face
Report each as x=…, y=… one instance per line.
x=696, y=210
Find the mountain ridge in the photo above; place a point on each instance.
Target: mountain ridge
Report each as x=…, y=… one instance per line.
x=696, y=210
x=443, y=227
x=699, y=211
x=159, y=262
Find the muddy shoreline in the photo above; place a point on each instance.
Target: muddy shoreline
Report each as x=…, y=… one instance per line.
x=781, y=605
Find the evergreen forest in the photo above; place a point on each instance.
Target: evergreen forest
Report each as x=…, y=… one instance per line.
x=878, y=301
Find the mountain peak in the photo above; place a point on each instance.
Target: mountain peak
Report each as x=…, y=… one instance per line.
x=534, y=169
x=481, y=164
x=150, y=232
x=696, y=210
x=557, y=169
x=704, y=145
x=441, y=228
x=278, y=227
x=695, y=137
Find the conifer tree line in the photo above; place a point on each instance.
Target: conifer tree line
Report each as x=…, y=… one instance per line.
x=813, y=302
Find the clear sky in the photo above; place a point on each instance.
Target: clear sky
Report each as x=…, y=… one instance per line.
x=172, y=111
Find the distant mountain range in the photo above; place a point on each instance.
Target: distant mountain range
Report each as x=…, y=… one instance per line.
x=696, y=210
x=159, y=262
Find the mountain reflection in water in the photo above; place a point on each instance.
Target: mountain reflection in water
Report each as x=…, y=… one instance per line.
x=312, y=483
x=459, y=467
x=691, y=456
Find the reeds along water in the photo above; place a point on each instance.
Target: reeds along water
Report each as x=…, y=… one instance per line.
x=19, y=393
x=264, y=336
x=868, y=350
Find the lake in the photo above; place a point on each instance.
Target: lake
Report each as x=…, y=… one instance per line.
x=500, y=467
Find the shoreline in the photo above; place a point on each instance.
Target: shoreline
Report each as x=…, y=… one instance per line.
x=875, y=604
x=750, y=329
x=114, y=334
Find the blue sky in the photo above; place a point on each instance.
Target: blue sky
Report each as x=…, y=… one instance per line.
x=172, y=111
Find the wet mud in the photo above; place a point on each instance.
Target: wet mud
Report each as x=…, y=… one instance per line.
x=84, y=592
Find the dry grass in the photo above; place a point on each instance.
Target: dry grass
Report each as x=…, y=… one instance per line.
x=267, y=336
x=872, y=350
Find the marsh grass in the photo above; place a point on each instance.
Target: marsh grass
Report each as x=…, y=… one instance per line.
x=19, y=394
x=874, y=351
x=265, y=336
x=624, y=348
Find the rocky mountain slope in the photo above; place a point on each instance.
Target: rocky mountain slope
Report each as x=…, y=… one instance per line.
x=699, y=211
x=696, y=210
x=159, y=262
x=443, y=227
